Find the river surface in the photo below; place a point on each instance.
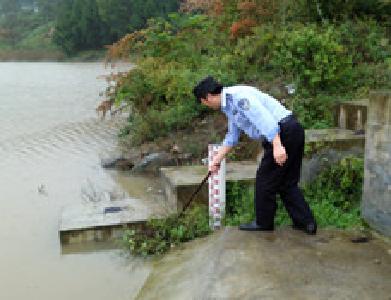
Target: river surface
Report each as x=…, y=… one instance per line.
x=51, y=143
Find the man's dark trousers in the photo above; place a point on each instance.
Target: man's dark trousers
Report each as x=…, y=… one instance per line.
x=273, y=179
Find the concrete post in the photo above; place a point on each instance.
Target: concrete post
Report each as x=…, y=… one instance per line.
x=342, y=117
x=359, y=122
x=376, y=204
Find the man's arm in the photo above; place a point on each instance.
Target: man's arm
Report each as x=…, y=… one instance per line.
x=279, y=151
x=230, y=140
x=264, y=121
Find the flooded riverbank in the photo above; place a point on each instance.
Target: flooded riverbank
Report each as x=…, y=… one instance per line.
x=51, y=143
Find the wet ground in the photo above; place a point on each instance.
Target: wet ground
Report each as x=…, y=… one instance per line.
x=286, y=264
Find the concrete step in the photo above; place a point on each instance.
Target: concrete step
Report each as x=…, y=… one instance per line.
x=105, y=221
x=180, y=182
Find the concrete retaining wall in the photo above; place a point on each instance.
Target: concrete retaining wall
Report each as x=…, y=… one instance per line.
x=376, y=204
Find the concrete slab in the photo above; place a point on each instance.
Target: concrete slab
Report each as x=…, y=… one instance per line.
x=285, y=264
x=105, y=220
x=193, y=175
x=180, y=182
x=332, y=135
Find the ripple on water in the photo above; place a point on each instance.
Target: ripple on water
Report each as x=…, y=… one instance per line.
x=75, y=138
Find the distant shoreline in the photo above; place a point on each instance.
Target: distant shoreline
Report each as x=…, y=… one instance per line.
x=50, y=56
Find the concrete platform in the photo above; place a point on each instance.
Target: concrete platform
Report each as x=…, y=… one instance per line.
x=106, y=220
x=335, y=135
x=180, y=182
x=285, y=264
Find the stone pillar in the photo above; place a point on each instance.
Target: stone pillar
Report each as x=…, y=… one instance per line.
x=376, y=204
x=342, y=117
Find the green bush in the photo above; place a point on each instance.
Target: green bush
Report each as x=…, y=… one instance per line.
x=314, y=112
x=340, y=185
x=366, y=40
x=170, y=64
x=334, y=197
x=313, y=56
x=159, y=235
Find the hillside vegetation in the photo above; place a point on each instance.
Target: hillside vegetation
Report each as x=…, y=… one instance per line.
x=327, y=52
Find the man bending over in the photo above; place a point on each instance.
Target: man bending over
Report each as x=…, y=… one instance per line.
x=263, y=118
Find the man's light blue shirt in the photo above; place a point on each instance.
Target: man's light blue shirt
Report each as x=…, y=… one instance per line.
x=251, y=111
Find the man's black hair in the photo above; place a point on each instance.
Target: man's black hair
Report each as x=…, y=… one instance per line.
x=206, y=86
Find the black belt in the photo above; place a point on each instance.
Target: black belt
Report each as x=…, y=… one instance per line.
x=286, y=119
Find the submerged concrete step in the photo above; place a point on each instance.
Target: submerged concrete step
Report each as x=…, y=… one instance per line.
x=105, y=220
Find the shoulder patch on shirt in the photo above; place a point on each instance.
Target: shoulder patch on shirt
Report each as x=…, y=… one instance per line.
x=244, y=104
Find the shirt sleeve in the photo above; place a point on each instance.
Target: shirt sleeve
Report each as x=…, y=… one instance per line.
x=262, y=119
x=232, y=136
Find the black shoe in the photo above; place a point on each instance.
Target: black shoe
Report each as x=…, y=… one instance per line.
x=253, y=226
x=310, y=228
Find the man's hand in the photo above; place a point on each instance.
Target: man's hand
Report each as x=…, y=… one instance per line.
x=279, y=152
x=215, y=166
x=280, y=155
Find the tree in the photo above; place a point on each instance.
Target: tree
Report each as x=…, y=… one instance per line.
x=342, y=9
x=48, y=9
x=9, y=11
x=115, y=16
x=64, y=36
x=9, y=6
x=89, y=24
x=78, y=26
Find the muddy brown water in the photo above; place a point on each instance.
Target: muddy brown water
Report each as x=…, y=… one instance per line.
x=52, y=141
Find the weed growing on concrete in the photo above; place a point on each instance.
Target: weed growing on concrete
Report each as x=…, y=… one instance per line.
x=159, y=235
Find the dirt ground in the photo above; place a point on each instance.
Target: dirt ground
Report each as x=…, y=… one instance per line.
x=285, y=264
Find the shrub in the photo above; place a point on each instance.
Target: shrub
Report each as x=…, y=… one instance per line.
x=334, y=197
x=366, y=40
x=313, y=56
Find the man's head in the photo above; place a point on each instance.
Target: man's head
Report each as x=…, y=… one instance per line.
x=208, y=92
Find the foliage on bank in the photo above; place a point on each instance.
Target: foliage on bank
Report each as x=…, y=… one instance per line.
x=252, y=42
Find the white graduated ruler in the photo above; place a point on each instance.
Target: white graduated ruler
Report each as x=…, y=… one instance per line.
x=216, y=190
